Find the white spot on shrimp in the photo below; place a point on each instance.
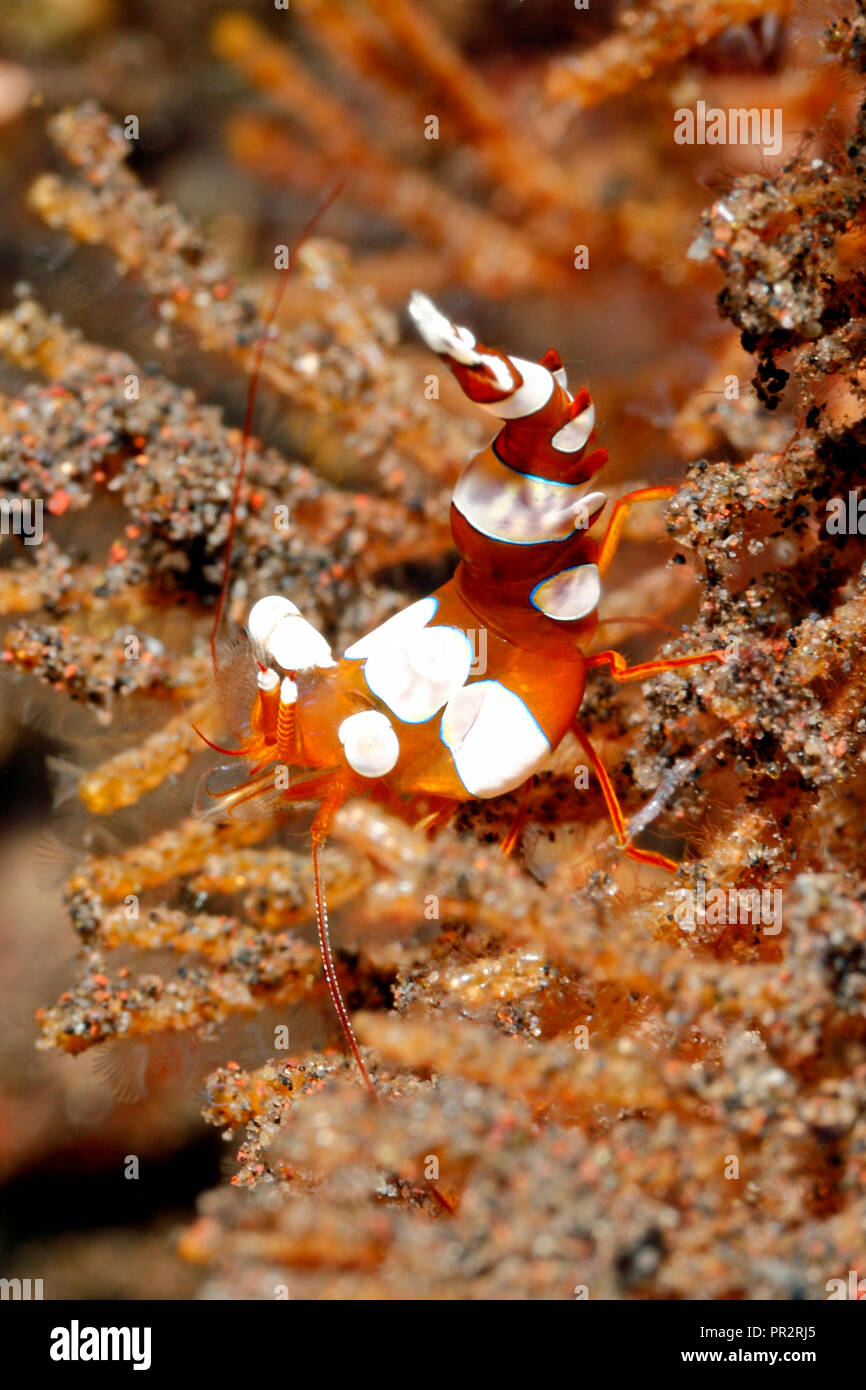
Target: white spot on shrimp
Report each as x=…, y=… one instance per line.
x=569, y=595
x=535, y=391
x=572, y=437
x=369, y=742
x=507, y=505
x=264, y=617
x=416, y=673
x=296, y=645
x=417, y=615
x=493, y=737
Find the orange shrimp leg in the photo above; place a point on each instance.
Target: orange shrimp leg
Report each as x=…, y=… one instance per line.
x=309, y=790
x=510, y=842
x=621, y=509
x=331, y=803
x=433, y=820
x=643, y=856
x=622, y=672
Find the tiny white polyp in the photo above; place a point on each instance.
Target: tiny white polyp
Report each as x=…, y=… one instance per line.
x=369, y=743
x=493, y=737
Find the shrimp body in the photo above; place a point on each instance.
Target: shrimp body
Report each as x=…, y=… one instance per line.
x=466, y=693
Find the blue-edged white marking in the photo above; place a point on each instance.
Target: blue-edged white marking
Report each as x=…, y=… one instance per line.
x=493, y=738
x=408, y=620
x=507, y=505
x=415, y=669
x=407, y=667
x=569, y=595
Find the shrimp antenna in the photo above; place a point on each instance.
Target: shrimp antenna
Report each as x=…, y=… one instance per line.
x=252, y=392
